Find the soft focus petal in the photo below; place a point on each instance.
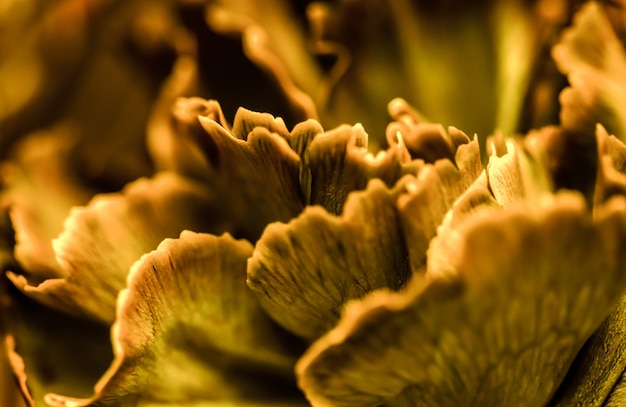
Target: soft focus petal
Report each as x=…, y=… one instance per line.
x=83, y=62
x=467, y=64
x=591, y=379
x=272, y=38
x=33, y=70
x=39, y=168
x=571, y=158
x=13, y=388
x=595, y=62
x=53, y=352
x=101, y=241
x=305, y=271
x=611, y=176
x=174, y=128
x=12, y=382
x=530, y=288
x=189, y=330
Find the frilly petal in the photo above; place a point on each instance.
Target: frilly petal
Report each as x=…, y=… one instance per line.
x=517, y=175
x=503, y=333
x=305, y=271
x=475, y=203
x=432, y=193
x=246, y=121
x=595, y=62
x=425, y=141
x=101, y=241
x=339, y=163
x=257, y=177
x=188, y=330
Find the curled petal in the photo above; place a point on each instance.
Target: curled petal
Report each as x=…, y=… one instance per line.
x=102, y=240
x=305, y=271
x=530, y=288
x=168, y=124
x=188, y=330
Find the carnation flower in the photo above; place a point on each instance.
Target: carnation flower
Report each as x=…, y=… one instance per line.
x=291, y=259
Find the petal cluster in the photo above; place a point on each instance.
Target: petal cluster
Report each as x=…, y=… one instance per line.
x=158, y=253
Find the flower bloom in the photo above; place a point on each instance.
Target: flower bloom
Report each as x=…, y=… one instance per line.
x=270, y=261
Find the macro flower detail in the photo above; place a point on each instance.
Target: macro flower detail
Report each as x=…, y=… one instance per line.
x=206, y=338
x=500, y=330
x=167, y=243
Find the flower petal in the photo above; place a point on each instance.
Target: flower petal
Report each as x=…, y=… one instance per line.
x=39, y=168
x=611, y=179
x=272, y=39
x=432, y=194
x=517, y=175
x=101, y=241
x=305, y=271
x=246, y=121
x=173, y=132
x=570, y=157
x=592, y=378
x=260, y=169
x=189, y=330
x=339, y=163
x=618, y=394
x=476, y=202
x=503, y=333
x=425, y=141
x=13, y=390
x=595, y=61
